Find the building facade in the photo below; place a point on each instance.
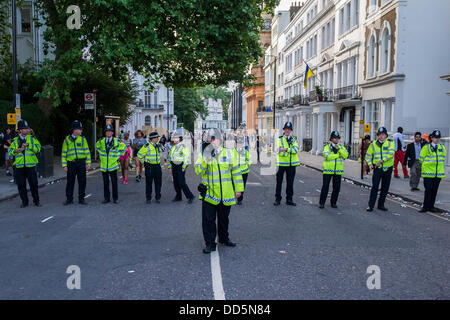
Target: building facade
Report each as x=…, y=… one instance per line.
x=235, y=116
x=214, y=119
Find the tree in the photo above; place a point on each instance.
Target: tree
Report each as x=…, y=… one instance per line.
x=217, y=93
x=188, y=105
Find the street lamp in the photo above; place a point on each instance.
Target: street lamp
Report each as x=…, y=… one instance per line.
x=14, y=45
x=168, y=109
x=274, y=86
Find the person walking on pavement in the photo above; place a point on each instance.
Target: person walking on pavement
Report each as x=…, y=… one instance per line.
x=125, y=159
x=221, y=185
x=7, y=138
x=432, y=158
x=75, y=159
x=412, y=156
x=150, y=155
x=138, y=142
x=380, y=159
x=333, y=168
x=24, y=148
x=362, y=150
x=287, y=161
x=244, y=160
x=110, y=149
x=179, y=158
x=258, y=148
x=399, y=153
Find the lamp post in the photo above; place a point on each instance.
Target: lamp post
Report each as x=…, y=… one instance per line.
x=274, y=86
x=168, y=109
x=14, y=46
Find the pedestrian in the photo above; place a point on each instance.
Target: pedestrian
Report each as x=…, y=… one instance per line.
x=138, y=142
x=432, y=158
x=150, y=155
x=179, y=158
x=399, y=153
x=24, y=148
x=380, y=159
x=110, y=149
x=7, y=138
x=244, y=161
x=258, y=146
x=75, y=159
x=362, y=150
x=334, y=155
x=287, y=161
x=162, y=142
x=221, y=185
x=412, y=156
x=125, y=159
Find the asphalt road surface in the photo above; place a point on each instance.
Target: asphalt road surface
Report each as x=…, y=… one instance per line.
x=137, y=251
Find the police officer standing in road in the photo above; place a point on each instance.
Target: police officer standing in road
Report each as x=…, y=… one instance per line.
x=150, y=155
x=287, y=161
x=110, y=149
x=432, y=158
x=380, y=159
x=76, y=159
x=24, y=148
x=179, y=158
x=334, y=155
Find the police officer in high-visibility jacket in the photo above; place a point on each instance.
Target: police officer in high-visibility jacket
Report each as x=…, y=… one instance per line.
x=179, y=158
x=432, y=158
x=76, y=159
x=380, y=159
x=150, y=155
x=244, y=160
x=24, y=149
x=287, y=161
x=334, y=155
x=221, y=185
x=110, y=149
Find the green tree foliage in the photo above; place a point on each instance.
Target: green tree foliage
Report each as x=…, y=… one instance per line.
x=217, y=93
x=188, y=105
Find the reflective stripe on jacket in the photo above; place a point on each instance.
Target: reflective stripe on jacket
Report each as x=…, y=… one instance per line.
x=433, y=161
x=72, y=150
x=289, y=157
x=109, y=161
x=244, y=160
x=179, y=153
x=150, y=154
x=386, y=153
x=333, y=163
x=28, y=157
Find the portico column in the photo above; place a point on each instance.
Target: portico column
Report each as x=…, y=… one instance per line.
x=314, y=133
x=302, y=126
x=319, y=133
x=347, y=125
x=334, y=116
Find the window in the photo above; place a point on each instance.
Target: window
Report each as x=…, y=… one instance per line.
x=288, y=66
x=155, y=98
x=25, y=19
x=371, y=55
x=355, y=14
x=348, y=16
x=147, y=98
x=385, y=48
x=148, y=121
x=347, y=23
x=341, y=21
x=373, y=6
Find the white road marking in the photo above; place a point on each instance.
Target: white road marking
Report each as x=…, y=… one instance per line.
x=46, y=219
x=90, y=194
x=254, y=183
x=318, y=190
x=301, y=181
x=216, y=272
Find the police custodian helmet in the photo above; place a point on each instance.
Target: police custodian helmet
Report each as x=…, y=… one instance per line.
x=76, y=125
x=288, y=125
x=22, y=124
x=382, y=130
x=109, y=128
x=435, y=134
x=335, y=134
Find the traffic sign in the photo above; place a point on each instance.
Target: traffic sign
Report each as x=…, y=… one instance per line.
x=11, y=118
x=89, y=101
x=367, y=128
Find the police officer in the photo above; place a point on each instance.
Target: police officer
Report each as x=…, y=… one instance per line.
x=150, y=155
x=24, y=148
x=432, y=158
x=287, y=161
x=380, y=159
x=179, y=159
x=110, y=149
x=76, y=159
x=221, y=185
x=244, y=160
x=334, y=155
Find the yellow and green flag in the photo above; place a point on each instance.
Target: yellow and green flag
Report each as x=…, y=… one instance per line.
x=308, y=74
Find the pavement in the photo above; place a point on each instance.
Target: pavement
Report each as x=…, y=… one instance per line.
x=137, y=251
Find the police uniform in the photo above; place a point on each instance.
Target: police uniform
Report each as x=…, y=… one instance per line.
x=150, y=155
x=287, y=161
x=380, y=153
x=179, y=159
x=25, y=164
x=333, y=169
x=432, y=159
x=244, y=160
x=75, y=155
x=110, y=150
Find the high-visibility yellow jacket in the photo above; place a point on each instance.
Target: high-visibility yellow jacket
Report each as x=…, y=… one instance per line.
x=289, y=157
x=386, y=153
x=433, y=161
x=221, y=174
x=28, y=157
x=150, y=154
x=72, y=150
x=333, y=163
x=244, y=160
x=179, y=153
x=109, y=159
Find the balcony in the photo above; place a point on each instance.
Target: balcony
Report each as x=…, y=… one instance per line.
x=168, y=116
x=344, y=93
x=153, y=107
x=264, y=109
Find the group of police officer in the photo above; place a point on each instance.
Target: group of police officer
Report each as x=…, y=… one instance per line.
x=223, y=170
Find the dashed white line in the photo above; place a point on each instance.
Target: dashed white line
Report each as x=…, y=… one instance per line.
x=216, y=272
x=301, y=181
x=46, y=219
x=90, y=194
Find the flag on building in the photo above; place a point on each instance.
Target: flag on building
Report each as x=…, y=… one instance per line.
x=308, y=74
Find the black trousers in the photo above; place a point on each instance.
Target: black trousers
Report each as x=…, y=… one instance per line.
x=106, y=177
x=385, y=178
x=22, y=175
x=179, y=182
x=209, y=213
x=290, y=176
x=76, y=169
x=153, y=174
x=244, y=177
x=326, y=185
x=431, y=188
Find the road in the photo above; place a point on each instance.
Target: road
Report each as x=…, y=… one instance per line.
x=137, y=251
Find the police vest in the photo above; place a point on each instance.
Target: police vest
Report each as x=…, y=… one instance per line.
x=289, y=157
x=110, y=154
x=221, y=174
x=149, y=154
x=178, y=154
x=244, y=160
x=28, y=157
x=386, y=153
x=334, y=162
x=75, y=149
x=433, y=161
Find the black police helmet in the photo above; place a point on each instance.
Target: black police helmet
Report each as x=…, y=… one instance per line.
x=23, y=124
x=382, y=130
x=335, y=134
x=153, y=134
x=288, y=125
x=76, y=125
x=435, y=134
x=109, y=128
